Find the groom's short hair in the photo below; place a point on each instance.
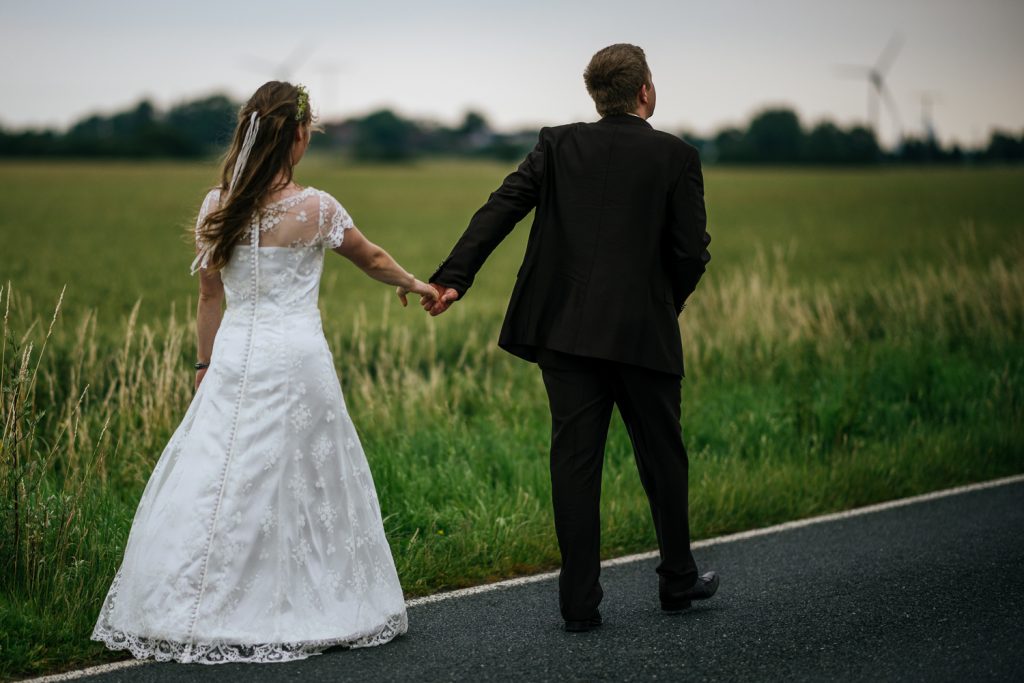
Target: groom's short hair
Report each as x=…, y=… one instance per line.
x=614, y=77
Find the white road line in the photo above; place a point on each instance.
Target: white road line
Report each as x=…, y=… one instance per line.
x=731, y=538
x=534, y=578
x=91, y=671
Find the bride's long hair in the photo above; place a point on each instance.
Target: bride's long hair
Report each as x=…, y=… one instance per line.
x=276, y=103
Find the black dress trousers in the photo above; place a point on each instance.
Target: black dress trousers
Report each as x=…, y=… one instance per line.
x=581, y=392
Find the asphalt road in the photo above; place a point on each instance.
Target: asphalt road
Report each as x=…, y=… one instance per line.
x=932, y=591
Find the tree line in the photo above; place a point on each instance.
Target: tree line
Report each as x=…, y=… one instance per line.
x=202, y=128
x=776, y=136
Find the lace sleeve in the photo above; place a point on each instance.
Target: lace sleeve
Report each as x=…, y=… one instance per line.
x=334, y=221
x=210, y=202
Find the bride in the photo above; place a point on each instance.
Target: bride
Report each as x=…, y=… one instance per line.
x=259, y=536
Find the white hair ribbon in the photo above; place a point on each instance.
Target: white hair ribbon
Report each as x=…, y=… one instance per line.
x=243, y=154
x=203, y=257
x=201, y=261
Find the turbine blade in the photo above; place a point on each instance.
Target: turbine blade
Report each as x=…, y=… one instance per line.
x=296, y=58
x=889, y=54
x=890, y=104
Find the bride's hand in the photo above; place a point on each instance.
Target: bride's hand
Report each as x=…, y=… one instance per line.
x=422, y=288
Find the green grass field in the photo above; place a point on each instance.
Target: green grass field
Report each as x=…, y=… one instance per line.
x=859, y=336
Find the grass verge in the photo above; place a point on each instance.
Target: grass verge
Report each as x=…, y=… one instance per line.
x=800, y=401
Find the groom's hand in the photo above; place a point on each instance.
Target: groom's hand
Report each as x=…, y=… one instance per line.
x=445, y=297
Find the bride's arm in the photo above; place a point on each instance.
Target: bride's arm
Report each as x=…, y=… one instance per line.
x=379, y=265
x=208, y=316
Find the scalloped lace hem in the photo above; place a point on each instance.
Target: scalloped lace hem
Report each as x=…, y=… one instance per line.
x=161, y=650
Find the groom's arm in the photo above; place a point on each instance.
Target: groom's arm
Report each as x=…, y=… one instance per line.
x=507, y=205
x=688, y=238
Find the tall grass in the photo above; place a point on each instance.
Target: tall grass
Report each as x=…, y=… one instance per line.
x=799, y=400
x=760, y=311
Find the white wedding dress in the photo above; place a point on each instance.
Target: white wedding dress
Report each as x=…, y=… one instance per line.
x=259, y=536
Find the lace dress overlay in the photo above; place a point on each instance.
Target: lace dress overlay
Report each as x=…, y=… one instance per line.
x=259, y=537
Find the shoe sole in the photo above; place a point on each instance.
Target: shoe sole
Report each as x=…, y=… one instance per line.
x=682, y=605
x=580, y=627
x=675, y=607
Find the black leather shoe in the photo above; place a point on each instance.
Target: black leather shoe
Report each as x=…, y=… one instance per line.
x=705, y=587
x=585, y=625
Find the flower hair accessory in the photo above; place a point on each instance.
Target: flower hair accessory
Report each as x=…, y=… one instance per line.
x=302, y=104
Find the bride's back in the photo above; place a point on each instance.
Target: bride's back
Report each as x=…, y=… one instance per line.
x=294, y=230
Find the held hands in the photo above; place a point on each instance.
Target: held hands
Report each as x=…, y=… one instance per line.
x=426, y=292
x=442, y=299
x=434, y=298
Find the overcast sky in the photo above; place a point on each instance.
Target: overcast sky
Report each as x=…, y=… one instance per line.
x=520, y=63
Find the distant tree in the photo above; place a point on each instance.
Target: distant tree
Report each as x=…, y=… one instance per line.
x=861, y=146
x=472, y=123
x=206, y=123
x=435, y=139
x=697, y=141
x=384, y=136
x=507, y=148
x=29, y=143
x=137, y=132
x=336, y=135
x=825, y=144
x=775, y=136
x=474, y=135
x=730, y=146
x=1003, y=146
x=134, y=121
x=922, y=151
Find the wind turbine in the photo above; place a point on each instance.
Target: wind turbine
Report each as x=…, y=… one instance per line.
x=328, y=72
x=929, y=98
x=284, y=70
x=877, y=88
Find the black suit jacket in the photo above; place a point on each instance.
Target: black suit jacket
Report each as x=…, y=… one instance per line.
x=617, y=245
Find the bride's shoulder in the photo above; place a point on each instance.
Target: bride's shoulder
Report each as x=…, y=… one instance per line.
x=329, y=204
x=325, y=196
x=211, y=200
x=334, y=220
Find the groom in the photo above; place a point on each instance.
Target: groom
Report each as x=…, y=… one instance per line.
x=617, y=245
